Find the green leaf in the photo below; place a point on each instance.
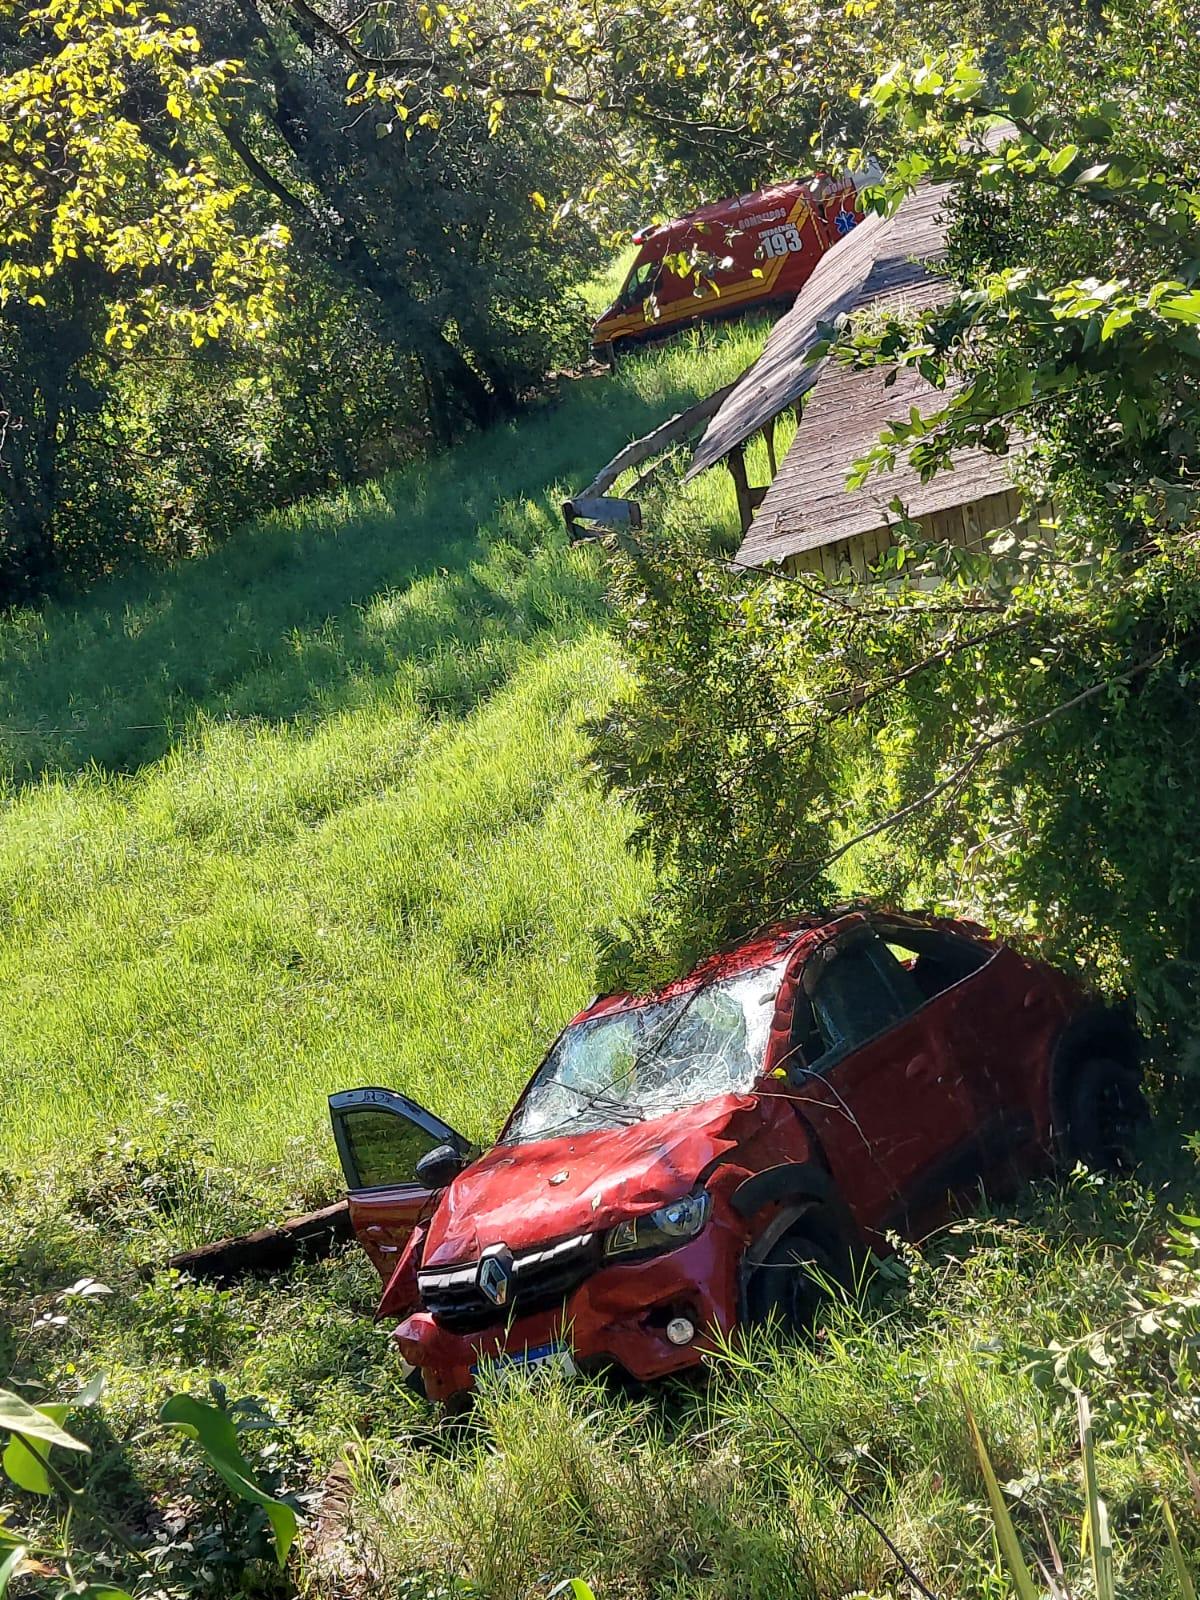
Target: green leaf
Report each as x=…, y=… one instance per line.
x=24, y=1462
x=1181, y=307
x=91, y=1391
x=36, y=1422
x=1183, y=1576
x=1095, y=127
x=575, y=1587
x=1006, y=1534
x=1022, y=102
x=214, y=1431
x=1097, y=1534
x=1062, y=159
x=9, y=1565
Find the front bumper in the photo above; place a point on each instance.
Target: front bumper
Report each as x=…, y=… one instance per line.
x=618, y=1316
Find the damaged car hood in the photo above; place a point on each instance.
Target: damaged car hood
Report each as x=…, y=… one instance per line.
x=528, y=1194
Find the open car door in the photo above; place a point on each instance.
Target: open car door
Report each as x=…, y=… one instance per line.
x=380, y=1137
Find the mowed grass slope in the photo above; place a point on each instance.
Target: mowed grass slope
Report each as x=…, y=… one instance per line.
x=312, y=812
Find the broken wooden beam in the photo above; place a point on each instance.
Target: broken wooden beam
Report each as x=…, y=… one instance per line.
x=594, y=504
x=271, y=1249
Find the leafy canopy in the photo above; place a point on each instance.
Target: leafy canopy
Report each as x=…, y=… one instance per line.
x=107, y=171
x=1006, y=732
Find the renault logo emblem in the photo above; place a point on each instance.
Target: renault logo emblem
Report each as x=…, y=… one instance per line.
x=495, y=1272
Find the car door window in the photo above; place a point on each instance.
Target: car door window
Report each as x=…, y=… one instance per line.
x=385, y=1150
x=935, y=960
x=382, y=1135
x=860, y=994
x=639, y=283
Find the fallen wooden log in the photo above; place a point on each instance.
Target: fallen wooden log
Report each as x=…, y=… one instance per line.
x=594, y=504
x=270, y=1249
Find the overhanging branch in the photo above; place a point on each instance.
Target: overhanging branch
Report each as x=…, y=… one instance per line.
x=983, y=748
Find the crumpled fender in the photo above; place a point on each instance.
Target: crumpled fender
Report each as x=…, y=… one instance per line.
x=400, y=1294
x=587, y=1182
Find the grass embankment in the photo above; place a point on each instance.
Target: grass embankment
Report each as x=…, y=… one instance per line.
x=310, y=813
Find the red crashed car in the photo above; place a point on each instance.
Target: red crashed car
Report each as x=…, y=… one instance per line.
x=679, y=1159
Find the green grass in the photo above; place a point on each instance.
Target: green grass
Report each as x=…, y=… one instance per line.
x=311, y=812
x=734, y=1491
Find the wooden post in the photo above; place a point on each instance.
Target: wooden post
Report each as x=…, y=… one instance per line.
x=736, y=462
x=748, y=499
x=769, y=436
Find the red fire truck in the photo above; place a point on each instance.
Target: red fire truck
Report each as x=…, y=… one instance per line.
x=726, y=258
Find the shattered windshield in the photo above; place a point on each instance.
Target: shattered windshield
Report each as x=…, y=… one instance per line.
x=627, y=1065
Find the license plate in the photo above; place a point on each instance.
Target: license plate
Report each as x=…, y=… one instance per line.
x=534, y=1358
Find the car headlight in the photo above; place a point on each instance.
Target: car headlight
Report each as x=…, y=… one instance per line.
x=662, y=1229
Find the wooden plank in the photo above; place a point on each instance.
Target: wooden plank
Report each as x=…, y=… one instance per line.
x=736, y=462
x=809, y=504
x=311, y=1236
x=606, y=509
x=856, y=556
x=882, y=256
x=627, y=513
x=656, y=441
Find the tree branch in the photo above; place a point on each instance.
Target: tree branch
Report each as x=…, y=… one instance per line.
x=701, y=133
x=984, y=747
x=262, y=175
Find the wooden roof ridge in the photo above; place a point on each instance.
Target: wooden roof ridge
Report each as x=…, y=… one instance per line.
x=880, y=258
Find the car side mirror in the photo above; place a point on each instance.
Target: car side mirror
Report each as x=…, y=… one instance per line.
x=440, y=1166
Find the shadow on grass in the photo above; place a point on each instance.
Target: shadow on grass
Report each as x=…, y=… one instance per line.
x=421, y=583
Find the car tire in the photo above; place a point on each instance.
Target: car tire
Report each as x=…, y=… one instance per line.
x=791, y=1283
x=1105, y=1115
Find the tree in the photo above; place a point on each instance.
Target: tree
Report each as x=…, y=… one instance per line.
x=116, y=223
x=1020, y=743
x=439, y=231
x=670, y=97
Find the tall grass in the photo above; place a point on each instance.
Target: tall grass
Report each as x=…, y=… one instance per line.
x=310, y=812
x=739, y=1490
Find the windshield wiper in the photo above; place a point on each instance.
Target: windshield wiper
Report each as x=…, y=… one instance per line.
x=599, y=1101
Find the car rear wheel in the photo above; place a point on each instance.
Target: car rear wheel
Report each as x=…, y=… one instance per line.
x=1106, y=1114
x=792, y=1281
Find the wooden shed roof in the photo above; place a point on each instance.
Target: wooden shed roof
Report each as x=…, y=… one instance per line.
x=809, y=505
x=882, y=258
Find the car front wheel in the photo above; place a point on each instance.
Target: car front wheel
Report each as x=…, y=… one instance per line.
x=792, y=1282
x=1106, y=1113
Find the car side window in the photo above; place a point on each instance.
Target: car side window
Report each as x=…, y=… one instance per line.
x=383, y=1148
x=639, y=283
x=935, y=960
x=862, y=992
